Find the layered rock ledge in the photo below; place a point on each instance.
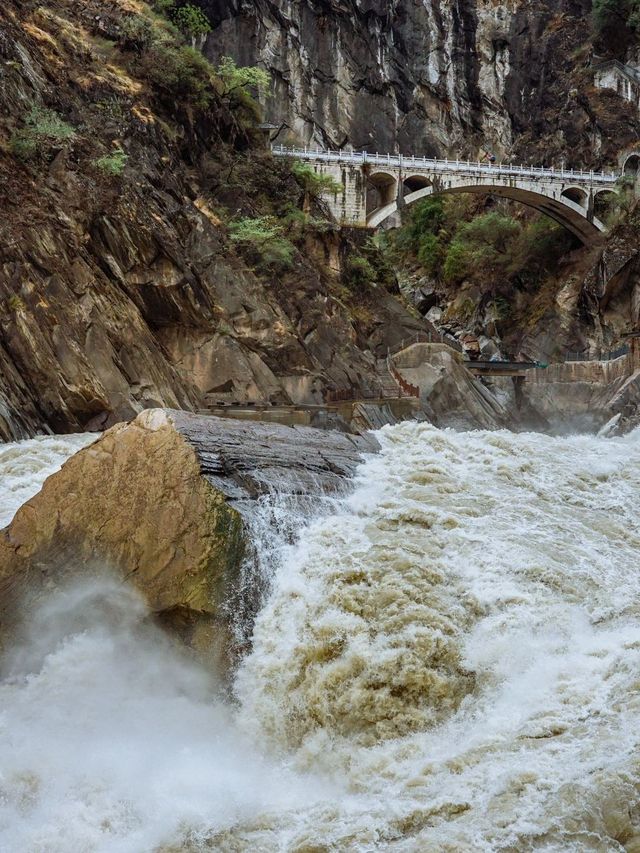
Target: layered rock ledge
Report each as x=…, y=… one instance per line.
x=156, y=502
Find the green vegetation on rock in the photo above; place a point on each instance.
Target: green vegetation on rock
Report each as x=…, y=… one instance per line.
x=315, y=183
x=113, y=164
x=454, y=242
x=235, y=78
x=191, y=21
x=616, y=22
x=43, y=128
x=263, y=242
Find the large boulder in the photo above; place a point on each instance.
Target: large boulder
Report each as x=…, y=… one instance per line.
x=449, y=392
x=159, y=502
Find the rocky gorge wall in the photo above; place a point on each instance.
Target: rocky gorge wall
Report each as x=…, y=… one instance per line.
x=429, y=78
x=123, y=291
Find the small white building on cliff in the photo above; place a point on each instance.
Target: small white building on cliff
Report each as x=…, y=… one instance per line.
x=623, y=79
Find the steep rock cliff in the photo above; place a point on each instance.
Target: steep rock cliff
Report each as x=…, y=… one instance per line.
x=455, y=78
x=121, y=290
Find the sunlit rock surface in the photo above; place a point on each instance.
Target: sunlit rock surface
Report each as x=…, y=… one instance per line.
x=153, y=500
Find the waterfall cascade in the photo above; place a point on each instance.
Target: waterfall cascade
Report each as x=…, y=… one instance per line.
x=447, y=660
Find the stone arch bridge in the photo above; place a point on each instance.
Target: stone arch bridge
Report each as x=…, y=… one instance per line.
x=374, y=186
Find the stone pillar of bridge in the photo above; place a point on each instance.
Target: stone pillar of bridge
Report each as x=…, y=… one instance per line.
x=349, y=205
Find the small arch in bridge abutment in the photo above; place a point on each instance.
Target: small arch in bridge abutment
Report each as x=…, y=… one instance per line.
x=563, y=210
x=631, y=166
x=382, y=190
x=604, y=202
x=576, y=195
x=413, y=183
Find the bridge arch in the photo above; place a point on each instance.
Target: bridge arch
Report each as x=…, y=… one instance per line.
x=604, y=202
x=413, y=183
x=382, y=189
x=577, y=194
x=631, y=164
x=561, y=208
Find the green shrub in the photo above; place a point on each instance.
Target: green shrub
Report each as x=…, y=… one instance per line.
x=537, y=249
x=431, y=253
x=191, y=21
x=181, y=71
x=15, y=302
x=457, y=261
x=163, y=7
x=427, y=216
x=481, y=248
x=234, y=78
x=42, y=129
x=263, y=242
x=136, y=33
x=359, y=275
x=494, y=230
x=616, y=23
x=23, y=145
x=315, y=183
x=422, y=235
x=114, y=163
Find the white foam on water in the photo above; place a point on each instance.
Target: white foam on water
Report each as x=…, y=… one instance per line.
x=448, y=662
x=113, y=740
x=462, y=645
x=25, y=465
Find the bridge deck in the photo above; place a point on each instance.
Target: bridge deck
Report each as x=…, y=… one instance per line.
x=460, y=167
x=501, y=368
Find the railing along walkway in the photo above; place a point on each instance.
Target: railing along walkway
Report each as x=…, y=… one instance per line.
x=405, y=162
x=609, y=355
x=434, y=337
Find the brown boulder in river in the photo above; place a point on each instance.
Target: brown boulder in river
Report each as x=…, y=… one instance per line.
x=156, y=501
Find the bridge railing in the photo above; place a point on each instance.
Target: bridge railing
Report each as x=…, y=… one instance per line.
x=434, y=337
x=401, y=161
x=601, y=355
x=353, y=393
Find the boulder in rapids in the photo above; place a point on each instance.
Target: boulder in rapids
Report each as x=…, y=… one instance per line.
x=156, y=501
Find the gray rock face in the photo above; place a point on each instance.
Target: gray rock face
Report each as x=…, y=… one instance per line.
x=451, y=395
x=119, y=294
x=243, y=459
x=419, y=77
x=336, y=66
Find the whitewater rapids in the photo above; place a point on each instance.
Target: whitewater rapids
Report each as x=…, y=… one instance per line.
x=448, y=662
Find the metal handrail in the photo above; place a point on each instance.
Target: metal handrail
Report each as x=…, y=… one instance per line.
x=460, y=166
x=434, y=337
x=610, y=355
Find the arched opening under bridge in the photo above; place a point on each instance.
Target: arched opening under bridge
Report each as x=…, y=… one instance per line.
x=631, y=166
x=572, y=207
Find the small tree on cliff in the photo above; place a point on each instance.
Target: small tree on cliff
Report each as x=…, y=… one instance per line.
x=239, y=83
x=192, y=21
x=241, y=79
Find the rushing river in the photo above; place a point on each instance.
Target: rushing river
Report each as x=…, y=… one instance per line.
x=448, y=662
